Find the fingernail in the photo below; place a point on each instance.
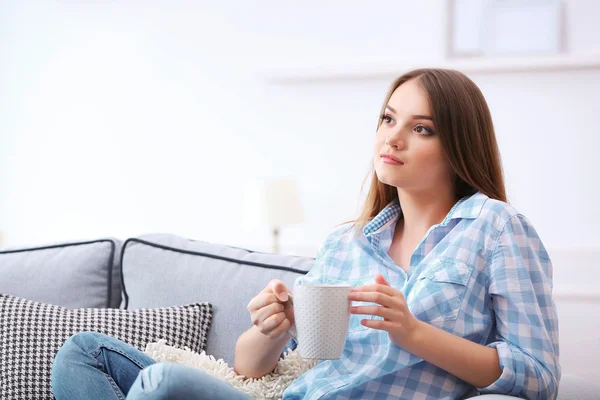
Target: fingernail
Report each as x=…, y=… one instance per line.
x=283, y=296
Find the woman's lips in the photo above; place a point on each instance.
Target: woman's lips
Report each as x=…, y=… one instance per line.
x=389, y=159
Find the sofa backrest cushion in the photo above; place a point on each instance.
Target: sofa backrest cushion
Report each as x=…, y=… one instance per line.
x=71, y=275
x=166, y=270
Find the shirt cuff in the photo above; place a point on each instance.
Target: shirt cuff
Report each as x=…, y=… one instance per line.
x=512, y=379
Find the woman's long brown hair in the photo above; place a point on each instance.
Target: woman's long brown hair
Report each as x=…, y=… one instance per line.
x=464, y=125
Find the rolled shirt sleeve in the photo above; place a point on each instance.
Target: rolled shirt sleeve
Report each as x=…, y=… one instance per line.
x=526, y=328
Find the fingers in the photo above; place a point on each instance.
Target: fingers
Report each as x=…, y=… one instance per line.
x=378, y=324
x=263, y=299
x=279, y=289
x=270, y=311
x=274, y=325
x=281, y=328
x=384, y=299
x=376, y=287
x=275, y=291
x=384, y=312
x=381, y=280
x=259, y=316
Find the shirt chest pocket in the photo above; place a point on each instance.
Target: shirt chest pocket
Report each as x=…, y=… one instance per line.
x=439, y=291
x=355, y=318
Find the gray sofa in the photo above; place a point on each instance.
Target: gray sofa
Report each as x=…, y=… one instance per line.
x=158, y=270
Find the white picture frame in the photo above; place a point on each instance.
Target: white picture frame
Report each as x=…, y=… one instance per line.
x=505, y=27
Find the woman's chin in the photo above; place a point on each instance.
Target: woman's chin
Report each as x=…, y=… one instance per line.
x=397, y=183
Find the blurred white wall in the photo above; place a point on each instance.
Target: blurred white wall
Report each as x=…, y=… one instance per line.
x=125, y=117
x=121, y=118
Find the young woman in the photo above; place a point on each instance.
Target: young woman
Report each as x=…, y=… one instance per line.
x=452, y=286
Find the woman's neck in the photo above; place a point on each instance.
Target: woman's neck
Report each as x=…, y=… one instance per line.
x=422, y=210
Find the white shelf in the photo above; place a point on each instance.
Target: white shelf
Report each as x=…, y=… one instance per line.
x=390, y=69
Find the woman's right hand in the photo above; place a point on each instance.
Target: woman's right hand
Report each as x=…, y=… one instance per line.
x=270, y=310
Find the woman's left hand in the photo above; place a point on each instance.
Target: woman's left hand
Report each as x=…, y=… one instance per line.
x=398, y=321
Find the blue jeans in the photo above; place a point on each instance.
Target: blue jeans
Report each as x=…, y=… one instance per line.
x=95, y=366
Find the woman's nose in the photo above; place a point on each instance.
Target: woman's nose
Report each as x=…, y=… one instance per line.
x=396, y=143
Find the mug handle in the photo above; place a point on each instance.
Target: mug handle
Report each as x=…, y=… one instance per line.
x=292, y=330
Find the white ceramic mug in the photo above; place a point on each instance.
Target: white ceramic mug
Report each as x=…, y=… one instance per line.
x=322, y=317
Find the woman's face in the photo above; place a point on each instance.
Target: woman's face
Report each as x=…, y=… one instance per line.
x=408, y=153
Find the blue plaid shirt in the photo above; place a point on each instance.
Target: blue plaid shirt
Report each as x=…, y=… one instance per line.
x=481, y=274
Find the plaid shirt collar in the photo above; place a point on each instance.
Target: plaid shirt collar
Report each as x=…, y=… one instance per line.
x=465, y=208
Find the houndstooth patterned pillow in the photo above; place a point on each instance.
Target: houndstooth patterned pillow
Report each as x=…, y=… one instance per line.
x=31, y=334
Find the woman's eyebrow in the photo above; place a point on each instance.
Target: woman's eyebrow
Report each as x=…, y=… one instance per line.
x=414, y=116
x=390, y=108
x=422, y=117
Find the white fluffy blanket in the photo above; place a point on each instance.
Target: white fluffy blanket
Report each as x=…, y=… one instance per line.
x=270, y=386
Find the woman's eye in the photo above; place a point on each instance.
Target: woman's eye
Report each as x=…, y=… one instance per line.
x=387, y=119
x=422, y=130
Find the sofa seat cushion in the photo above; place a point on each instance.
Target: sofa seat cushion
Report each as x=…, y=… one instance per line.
x=165, y=270
x=72, y=275
x=31, y=334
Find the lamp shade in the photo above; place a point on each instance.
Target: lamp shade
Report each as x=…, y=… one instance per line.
x=272, y=203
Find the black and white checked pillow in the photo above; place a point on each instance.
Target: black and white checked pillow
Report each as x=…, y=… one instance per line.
x=31, y=334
